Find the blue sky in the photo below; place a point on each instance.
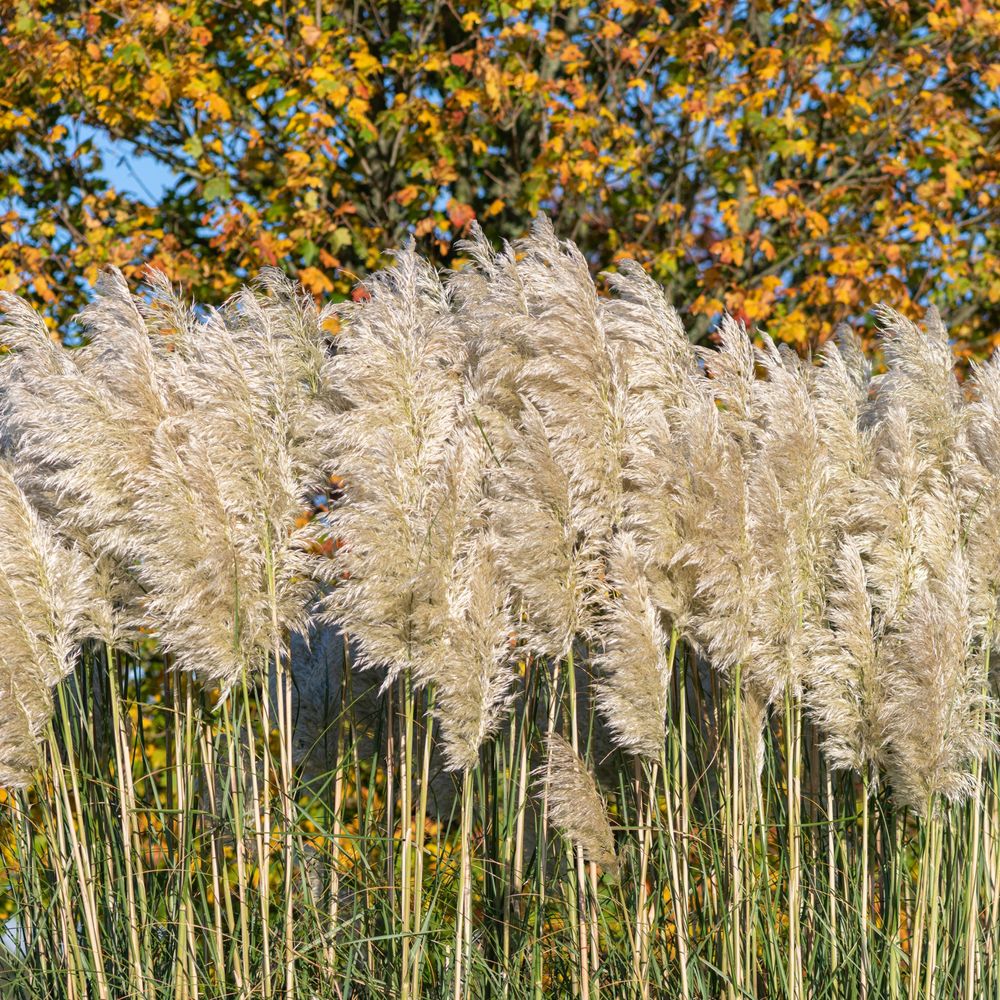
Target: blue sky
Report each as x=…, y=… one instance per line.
x=128, y=170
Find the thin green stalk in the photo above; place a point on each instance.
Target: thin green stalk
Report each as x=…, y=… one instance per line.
x=923, y=900
x=463, y=921
x=59, y=857
x=793, y=737
x=260, y=791
x=681, y=778
x=78, y=844
x=972, y=875
x=677, y=850
x=831, y=873
x=406, y=821
x=237, y=784
x=583, y=940
x=865, y=881
x=127, y=810
x=676, y=889
x=542, y=851
x=418, y=877
x=893, y=912
x=643, y=918
x=222, y=925
x=934, y=904
x=734, y=906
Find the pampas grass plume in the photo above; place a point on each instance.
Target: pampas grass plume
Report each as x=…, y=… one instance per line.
x=576, y=806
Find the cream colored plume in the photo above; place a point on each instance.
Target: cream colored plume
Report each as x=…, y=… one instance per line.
x=47, y=607
x=936, y=694
x=794, y=503
x=398, y=369
x=221, y=526
x=848, y=681
x=20, y=754
x=576, y=806
x=81, y=422
x=634, y=669
x=543, y=543
x=495, y=314
x=420, y=585
x=472, y=669
x=981, y=499
x=921, y=380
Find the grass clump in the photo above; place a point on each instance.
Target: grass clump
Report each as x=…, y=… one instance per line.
x=484, y=637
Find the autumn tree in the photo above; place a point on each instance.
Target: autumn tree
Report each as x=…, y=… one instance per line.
x=789, y=162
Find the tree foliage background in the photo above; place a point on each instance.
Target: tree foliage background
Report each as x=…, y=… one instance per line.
x=789, y=162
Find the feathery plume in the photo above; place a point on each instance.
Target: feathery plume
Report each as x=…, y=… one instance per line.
x=900, y=518
x=81, y=422
x=718, y=551
x=221, y=522
x=840, y=389
x=981, y=498
x=911, y=514
x=633, y=685
x=24, y=704
x=715, y=435
x=662, y=504
x=47, y=599
x=492, y=306
x=847, y=682
x=921, y=380
x=792, y=523
x=661, y=361
x=732, y=372
x=576, y=379
x=398, y=364
x=471, y=669
x=543, y=545
x=935, y=694
x=576, y=806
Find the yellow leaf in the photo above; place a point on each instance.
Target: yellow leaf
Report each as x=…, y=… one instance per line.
x=817, y=224
x=218, y=107
x=778, y=208
x=297, y=158
x=357, y=108
x=364, y=62
x=315, y=280
x=42, y=289
x=158, y=92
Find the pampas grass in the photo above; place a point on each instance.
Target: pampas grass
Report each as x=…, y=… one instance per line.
x=728, y=611
x=576, y=805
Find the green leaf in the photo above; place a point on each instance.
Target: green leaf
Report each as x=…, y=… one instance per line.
x=308, y=251
x=217, y=187
x=340, y=237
